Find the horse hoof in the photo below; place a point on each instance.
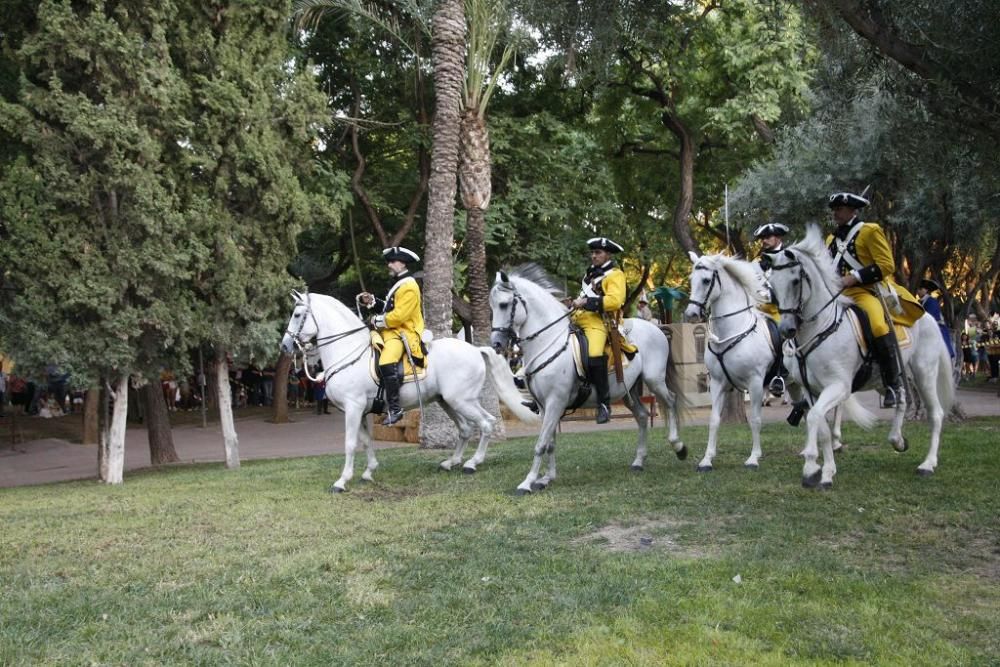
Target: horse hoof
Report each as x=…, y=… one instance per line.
x=682, y=453
x=335, y=489
x=751, y=466
x=901, y=446
x=521, y=492
x=825, y=486
x=812, y=480
x=538, y=486
x=635, y=468
x=443, y=468
x=468, y=471
x=704, y=468
x=923, y=472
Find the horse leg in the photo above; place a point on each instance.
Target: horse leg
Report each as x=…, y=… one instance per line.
x=926, y=379
x=353, y=414
x=829, y=464
x=641, y=415
x=896, y=438
x=464, y=435
x=832, y=395
x=369, y=443
x=546, y=443
x=717, y=389
x=671, y=411
x=474, y=413
x=756, y=407
x=838, y=417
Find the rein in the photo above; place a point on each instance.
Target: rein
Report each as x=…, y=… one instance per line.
x=513, y=338
x=322, y=341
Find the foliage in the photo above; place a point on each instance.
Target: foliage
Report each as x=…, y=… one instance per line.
x=97, y=242
x=605, y=567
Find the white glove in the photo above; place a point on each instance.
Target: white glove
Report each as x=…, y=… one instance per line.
x=379, y=321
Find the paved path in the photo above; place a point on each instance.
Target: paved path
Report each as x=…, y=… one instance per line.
x=51, y=460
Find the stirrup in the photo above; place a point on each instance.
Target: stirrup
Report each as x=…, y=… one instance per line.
x=531, y=405
x=889, y=398
x=603, y=414
x=777, y=386
x=392, y=417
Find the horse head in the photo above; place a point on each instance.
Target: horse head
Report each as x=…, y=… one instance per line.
x=705, y=287
x=504, y=302
x=804, y=282
x=302, y=326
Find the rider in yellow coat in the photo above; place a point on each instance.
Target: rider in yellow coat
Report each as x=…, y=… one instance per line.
x=771, y=237
x=401, y=317
x=603, y=291
x=865, y=261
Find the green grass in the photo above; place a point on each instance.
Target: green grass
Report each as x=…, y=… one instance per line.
x=198, y=565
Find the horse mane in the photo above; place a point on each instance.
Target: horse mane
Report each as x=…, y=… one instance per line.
x=813, y=247
x=336, y=304
x=743, y=272
x=535, y=274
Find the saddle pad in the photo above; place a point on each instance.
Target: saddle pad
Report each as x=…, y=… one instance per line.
x=903, y=337
x=574, y=345
x=408, y=375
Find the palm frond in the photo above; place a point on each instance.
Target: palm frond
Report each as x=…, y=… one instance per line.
x=309, y=13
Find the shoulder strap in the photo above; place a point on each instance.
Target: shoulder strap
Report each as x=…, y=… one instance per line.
x=842, y=248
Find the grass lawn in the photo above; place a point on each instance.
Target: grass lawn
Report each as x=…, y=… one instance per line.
x=197, y=565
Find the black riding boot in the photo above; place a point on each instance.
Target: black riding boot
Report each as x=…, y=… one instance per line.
x=885, y=352
x=390, y=382
x=597, y=373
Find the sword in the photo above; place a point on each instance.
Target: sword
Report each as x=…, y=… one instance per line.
x=895, y=342
x=416, y=380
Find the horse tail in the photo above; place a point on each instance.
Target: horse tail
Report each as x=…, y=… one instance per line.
x=503, y=382
x=858, y=413
x=676, y=385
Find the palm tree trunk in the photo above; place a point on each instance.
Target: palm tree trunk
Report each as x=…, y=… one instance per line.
x=448, y=48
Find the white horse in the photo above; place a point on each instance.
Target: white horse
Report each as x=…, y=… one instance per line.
x=815, y=318
x=525, y=311
x=455, y=374
x=740, y=350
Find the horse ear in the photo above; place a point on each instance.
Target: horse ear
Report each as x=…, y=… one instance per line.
x=693, y=255
x=789, y=255
x=296, y=296
x=503, y=278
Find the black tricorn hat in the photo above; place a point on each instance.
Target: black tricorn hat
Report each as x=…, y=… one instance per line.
x=602, y=243
x=770, y=229
x=400, y=254
x=847, y=199
x=930, y=285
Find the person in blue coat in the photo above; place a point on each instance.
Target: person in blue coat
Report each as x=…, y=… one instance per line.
x=930, y=303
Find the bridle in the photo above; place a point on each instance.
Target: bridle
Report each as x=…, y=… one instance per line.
x=804, y=279
x=703, y=306
x=514, y=339
x=316, y=341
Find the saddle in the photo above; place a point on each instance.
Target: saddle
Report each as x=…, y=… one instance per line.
x=580, y=349
x=405, y=370
x=863, y=335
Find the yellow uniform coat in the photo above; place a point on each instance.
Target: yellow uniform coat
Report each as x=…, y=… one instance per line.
x=871, y=250
x=403, y=317
x=604, y=288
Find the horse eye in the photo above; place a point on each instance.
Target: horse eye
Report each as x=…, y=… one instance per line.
x=502, y=306
x=705, y=281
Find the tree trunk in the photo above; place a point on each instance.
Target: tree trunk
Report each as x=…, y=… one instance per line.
x=161, y=440
x=111, y=450
x=281, y=389
x=448, y=47
x=734, y=410
x=231, y=443
x=479, y=295
x=685, y=200
x=91, y=406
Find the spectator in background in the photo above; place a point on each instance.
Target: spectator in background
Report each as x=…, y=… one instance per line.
x=293, y=388
x=319, y=395
x=267, y=385
x=968, y=356
x=644, y=311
